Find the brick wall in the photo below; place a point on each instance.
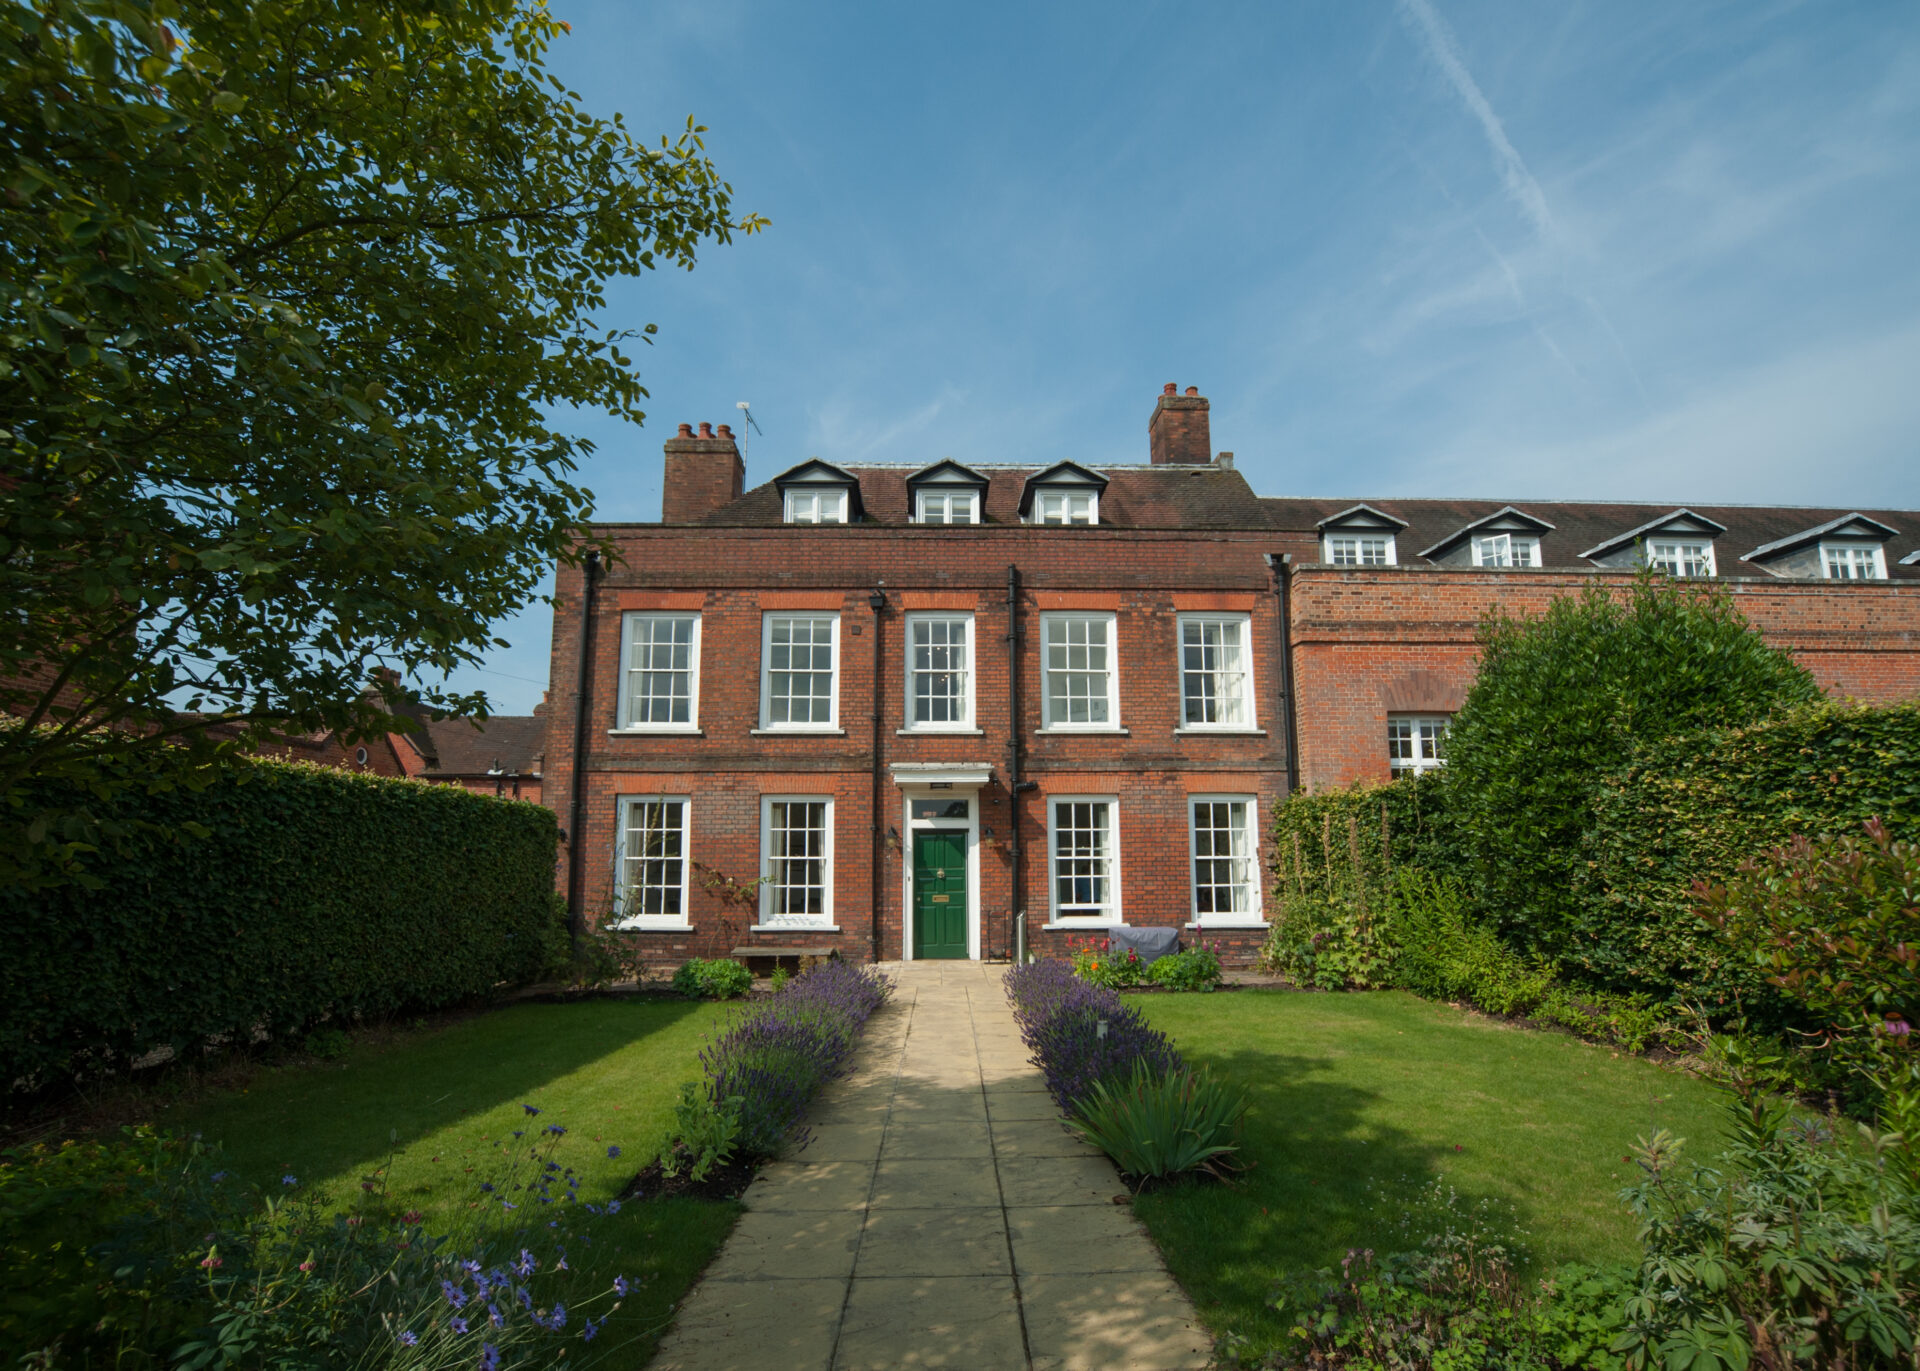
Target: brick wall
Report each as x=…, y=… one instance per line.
x=1369, y=641
x=1146, y=578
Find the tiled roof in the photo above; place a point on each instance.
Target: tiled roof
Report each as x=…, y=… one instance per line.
x=1580, y=525
x=462, y=747
x=1136, y=497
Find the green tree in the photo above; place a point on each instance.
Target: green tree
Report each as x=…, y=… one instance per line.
x=1561, y=701
x=297, y=296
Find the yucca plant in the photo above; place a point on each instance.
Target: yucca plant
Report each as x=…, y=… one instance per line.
x=1161, y=1124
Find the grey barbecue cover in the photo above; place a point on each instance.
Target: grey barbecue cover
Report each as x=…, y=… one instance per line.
x=1151, y=943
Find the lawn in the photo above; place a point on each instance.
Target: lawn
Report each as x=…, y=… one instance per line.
x=1360, y=1099
x=432, y=1106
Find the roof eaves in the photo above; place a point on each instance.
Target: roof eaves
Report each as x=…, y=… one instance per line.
x=1794, y=540
x=1651, y=526
x=1361, y=508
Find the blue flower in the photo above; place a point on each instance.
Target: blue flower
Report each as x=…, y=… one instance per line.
x=613, y=1206
x=559, y=1319
x=486, y=1187
x=458, y=1325
x=586, y=1334
x=519, y=1132
x=527, y=1265
x=409, y=1338
x=470, y=1266
x=455, y=1295
x=556, y=1130
x=508, y=1204
x=620, y=1285
x=531, y=1111
x=217, y=1177
x=561, y=1265
x=495, y=1317
x=613, y=1151
x=489, y=1357
x=289, y=1180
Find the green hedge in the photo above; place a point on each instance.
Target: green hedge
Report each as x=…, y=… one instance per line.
x=1310, y=826
x=312, y=893
x=1694, y=806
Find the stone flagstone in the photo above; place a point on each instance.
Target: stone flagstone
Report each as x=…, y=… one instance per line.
x=940, y=1215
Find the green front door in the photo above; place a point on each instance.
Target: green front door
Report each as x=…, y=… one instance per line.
x=939, y=894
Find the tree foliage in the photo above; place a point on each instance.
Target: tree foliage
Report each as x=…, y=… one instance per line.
x=1561, y=701
x=295, y=291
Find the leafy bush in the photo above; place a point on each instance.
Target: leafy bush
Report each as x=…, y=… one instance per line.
x=1694, y=807
x=705, y=1133
x=1195, y=969
x=1081, y=1034
x=140, y=1254
x=1098, y=964
x=778, y=1053
x=718, y=979
x=312, y=894
x=1445, y=955
x=1158, y=1126
x=1560, y=702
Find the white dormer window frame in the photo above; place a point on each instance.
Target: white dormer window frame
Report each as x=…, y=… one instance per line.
x=1682, y=557
x=1077, y=507
x=1506, y=550
x=816, y=505
x=1358, y=547
x=952, y=505
x=1852, y=561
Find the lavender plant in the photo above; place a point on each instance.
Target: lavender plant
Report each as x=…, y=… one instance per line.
x=777, y=1054
x=1081, y=1034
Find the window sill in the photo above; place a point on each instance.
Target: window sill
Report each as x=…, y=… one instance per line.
x=939, y=733
x=677, y=731
x=1086, y=925
x=1225, y=927
x=650, y=928
x=796, y=732
x=793, y=928
x=1083, y=732
x=1220, y=732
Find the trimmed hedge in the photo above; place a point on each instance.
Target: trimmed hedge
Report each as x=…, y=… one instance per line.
x=314, y=893
x=1694, y=806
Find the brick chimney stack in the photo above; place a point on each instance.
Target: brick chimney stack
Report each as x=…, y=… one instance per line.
x=704, y=472
x=1178, y=430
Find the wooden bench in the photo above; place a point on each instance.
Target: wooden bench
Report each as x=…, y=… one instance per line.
x=770, y=951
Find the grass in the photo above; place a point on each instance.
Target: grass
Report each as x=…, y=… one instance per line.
x=432, y=1107
x=1359, y=1099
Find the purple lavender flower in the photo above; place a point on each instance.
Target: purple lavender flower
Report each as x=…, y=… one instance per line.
x=1059, y=1016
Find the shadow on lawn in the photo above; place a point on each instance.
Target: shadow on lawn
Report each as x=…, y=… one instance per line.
x=334, y=1119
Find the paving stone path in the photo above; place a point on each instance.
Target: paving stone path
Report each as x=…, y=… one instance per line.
x=940, y=1216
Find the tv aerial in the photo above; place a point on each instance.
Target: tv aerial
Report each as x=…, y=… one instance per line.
x=746, y=413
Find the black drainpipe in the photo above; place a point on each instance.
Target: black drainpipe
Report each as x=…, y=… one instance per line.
x=876, y=601
x=582, y=709
x=1015, y=786
x=1282, y=564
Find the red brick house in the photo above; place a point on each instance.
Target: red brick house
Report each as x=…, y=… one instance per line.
x=500, y=756
x=927, y=707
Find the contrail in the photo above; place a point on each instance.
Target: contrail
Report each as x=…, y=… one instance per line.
x=1440, y=45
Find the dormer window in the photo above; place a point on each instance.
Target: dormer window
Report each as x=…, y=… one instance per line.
x=1853, y=562
x=1506, y=549
x=816, y=506
x=1687, y=560
x=1360, y=536
x=1065, y=493
x=1066, y=507
x=946, y=507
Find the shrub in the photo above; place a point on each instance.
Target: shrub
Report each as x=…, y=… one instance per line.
x=312, y=894
x=777, y=1054
x=1195, y=969
x=705, y=1133
x=1445, y=955
x=719, y=979
x=1562, y=700
x=1694, y=807
x=1081, y=1034
x=1098, y=964
x=1335, y=854
x=1158, y=1126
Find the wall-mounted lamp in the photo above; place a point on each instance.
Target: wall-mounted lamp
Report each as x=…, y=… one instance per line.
x=893, y=837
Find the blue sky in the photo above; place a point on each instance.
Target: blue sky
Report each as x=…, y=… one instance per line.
x=1616, y=250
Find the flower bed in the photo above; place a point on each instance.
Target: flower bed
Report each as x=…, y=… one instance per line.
x=1061, y=1019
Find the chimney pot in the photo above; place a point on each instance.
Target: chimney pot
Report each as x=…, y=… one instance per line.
x=1171, y=388
x=724, y=431
x=686, y=430
x=706, y=429
x=1193, y=390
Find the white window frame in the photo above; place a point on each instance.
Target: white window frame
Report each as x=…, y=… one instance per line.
x=1874, y=555
x=1064, y=500
x=1520, y=549
x=1252, y=915
x=1416, y=723
x=1113, y=915
x=769, y=919
x=925, y=495
x=965, y=723
x=767, y=724
x=622, y=917
x=1111, y=724
x=627, y=722
x=1359, y=537
x=1676, y=554
x=802, y=504
x=1247, y=723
